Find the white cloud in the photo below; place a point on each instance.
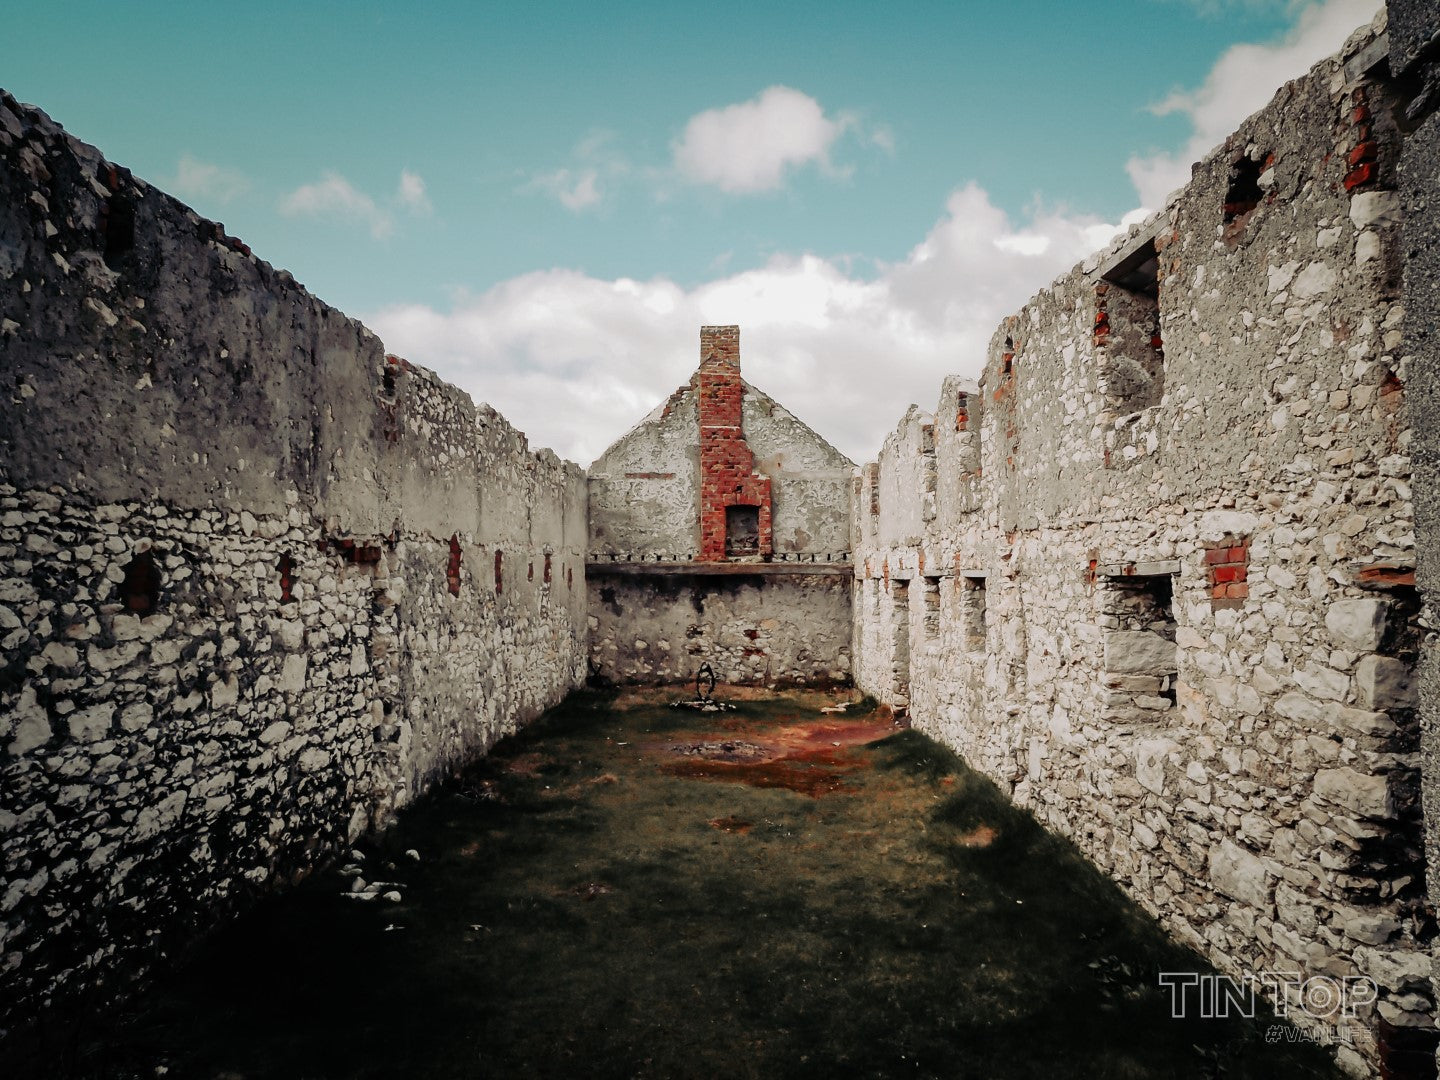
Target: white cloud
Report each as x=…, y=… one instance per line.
x=596, y=165
x=883, y=137
x=750, y=147
x=196, y=179
x=576, y=189
x=575, y=360
x=411, y=193
x=1211, y=9
x=334, y=196
x=1242, y=81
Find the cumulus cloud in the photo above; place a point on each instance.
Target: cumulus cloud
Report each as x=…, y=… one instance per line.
x=196, y=179
x=573, y=360
x=1242, y=81
x=751, y=147
x=411, y=193
x=334, y=196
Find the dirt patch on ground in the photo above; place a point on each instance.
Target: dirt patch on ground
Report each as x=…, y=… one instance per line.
x=633, y=697
x=728, y=750
x=811, y=776
x=523, y=764
x=980, y=836
x=732, y=825
x=811, y=757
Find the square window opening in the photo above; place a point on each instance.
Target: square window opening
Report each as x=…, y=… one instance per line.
x=932, y=608
x=742, y=530
x=1137, y=616
x=972, y=613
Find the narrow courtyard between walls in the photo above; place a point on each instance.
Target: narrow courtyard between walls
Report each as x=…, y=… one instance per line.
x=796, y=886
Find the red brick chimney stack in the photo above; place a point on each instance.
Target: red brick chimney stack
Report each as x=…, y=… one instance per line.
x=720, y=350
x=727, y=467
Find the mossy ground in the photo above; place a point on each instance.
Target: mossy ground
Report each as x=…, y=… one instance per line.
x=599, y=898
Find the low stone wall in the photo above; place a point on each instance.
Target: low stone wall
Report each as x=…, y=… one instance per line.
x=260, y=584
x=758, y=625
x=1155, y=572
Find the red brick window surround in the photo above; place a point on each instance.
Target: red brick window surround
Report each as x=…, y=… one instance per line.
x=1227, y=569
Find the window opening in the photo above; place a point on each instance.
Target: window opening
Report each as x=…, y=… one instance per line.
x=932, y=607
x=141, y=587
x=1137, y=617
x=742, y=530
x=452, y=569
x=972, y=595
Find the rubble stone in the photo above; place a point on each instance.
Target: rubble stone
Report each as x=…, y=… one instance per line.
x=1189, y=478
x=231, y=621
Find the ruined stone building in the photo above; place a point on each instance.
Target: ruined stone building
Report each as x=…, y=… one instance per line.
x=1166, y=571
x=720, y=534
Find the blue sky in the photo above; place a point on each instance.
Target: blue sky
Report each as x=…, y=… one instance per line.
x=543, y=202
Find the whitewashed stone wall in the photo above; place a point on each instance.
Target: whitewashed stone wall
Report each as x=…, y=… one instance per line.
x=235, y=630
x=1199, y=617
x=649, y=626
x=645, y=488
x=657, y=613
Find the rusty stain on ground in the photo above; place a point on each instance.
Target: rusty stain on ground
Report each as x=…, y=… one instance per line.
x=810, y=756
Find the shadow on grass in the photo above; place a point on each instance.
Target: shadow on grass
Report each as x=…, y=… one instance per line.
x=579, y=911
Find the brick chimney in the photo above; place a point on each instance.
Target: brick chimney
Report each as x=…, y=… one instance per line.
x=720, y=350
x=727, y=467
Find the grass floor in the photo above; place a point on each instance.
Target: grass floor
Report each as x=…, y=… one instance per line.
x=630, y=890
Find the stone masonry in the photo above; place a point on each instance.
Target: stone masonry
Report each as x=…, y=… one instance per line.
x=1414, y=62
x=720, y=534
x=1155, y=572
x=1167, y=572
x=260, y=583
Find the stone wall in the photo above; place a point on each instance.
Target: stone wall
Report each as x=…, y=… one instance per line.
x=1155, y=573
x=647, y=490
x=260, y=584
x=658, y=624
x=1414, y=40
x=668, y=592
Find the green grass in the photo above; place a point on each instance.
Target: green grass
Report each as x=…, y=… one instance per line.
x=575, y=913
